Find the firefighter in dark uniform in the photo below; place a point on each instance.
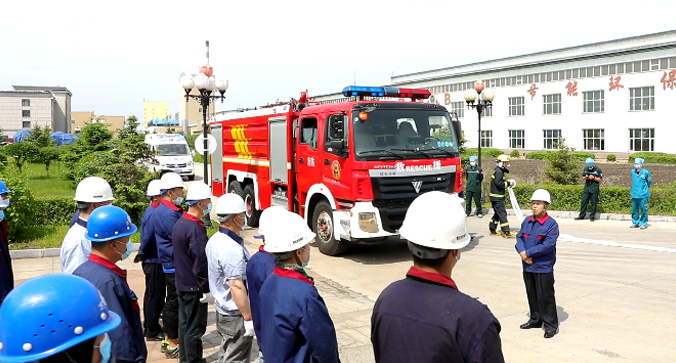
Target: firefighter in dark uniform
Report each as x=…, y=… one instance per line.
x=474, y=176
x=499, y=185
x=592, y=175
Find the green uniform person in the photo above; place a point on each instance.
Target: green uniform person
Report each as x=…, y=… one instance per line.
x=592, y=175
x=473, y=178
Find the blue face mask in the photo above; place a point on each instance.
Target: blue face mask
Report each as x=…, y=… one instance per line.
x=303, y=264
x=177, y=201
x=4, y=203
x=208, y=210
x=2, y=215
x=637, y=166
x=105, y=349
x=130, y=247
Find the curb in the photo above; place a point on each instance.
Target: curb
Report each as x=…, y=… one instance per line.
x=43, y=252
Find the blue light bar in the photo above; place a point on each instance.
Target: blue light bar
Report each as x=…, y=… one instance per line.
x=353, y=91
x=361, y=91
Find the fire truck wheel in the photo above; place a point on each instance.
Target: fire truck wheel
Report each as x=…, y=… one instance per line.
x=322, y=224
x=252, y=213
x=236, y=188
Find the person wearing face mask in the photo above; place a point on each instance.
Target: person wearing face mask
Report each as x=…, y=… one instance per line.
x=295, y=322
x=90, y=194
x=6, y=273
x=163, y=220
x=426, y=310
x=536, y=245
x=592, y=175
x=499, y=185
x=68, y=305
x=474, y=175
x=189, y=238
x=227, y=260
x=110, y=230
x=641, y=181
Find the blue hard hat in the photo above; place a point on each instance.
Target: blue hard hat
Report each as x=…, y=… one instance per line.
x=107, y=223
x=472, y=158
x=3, y=188
x=639, y=161
x=49, y=314
x=589, y=161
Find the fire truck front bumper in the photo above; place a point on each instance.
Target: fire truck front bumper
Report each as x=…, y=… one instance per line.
x=361, y=223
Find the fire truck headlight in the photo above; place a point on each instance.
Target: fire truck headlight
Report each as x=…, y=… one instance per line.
x=368, y=222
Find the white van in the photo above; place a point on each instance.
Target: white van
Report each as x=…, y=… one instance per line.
x=173, y=154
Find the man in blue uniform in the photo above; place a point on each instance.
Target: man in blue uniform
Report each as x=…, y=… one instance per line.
x=296, y=326
x=189, y=239
x=536, y=244
x=499, y=185
x=474, y=175
x=6, y=273
x=641, y=180
x=155, y=292
x=424, y=317
x=109, y=228
x=592, y=176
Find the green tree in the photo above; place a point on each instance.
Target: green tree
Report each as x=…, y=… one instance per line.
x=94, y=137
x=22, y=152
x=41, y=136
x=562, y=168
x=46, y=155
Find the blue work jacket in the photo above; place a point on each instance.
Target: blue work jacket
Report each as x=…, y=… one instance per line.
x=189, y=239
x=148, y=247
x=127, y=340
x=640, y=183
x=424, y=318
x=538, y=238
x=163, y=220
x=6, y=273
x=296, y=326
x=259, y=267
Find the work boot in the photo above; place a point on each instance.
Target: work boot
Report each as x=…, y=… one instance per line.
x=508, y=234
x=494, y=233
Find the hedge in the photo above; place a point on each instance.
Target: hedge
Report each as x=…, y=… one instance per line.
x=54, y=211
x=544, y=155
x=653, y=158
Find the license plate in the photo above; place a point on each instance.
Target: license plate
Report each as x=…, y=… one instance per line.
x=177, y=170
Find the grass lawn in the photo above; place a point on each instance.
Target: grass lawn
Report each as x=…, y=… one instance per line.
x=43, y=184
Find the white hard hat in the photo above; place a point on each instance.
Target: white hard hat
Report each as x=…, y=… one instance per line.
x=541, y=195
x=198, y=191
x=269, y=215
x=436, y=219
x=287, y=232
x=93, y=189
x=154, y=188
x=171, y=181
x=230, y=203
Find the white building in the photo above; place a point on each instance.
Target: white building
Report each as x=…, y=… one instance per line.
x=28, y=106
x=617, y=96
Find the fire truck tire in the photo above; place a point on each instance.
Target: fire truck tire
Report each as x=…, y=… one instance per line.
x=236, y=188
x=252, y=213
x=323, y=226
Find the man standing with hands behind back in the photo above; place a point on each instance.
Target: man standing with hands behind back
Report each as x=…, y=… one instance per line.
x=474, y=176
x=592, y=175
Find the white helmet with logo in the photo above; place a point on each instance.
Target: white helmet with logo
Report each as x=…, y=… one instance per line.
x=287, y=232
x=436, y=220
x=230, y=203
x=268, y=216
x=541, y=195
x=154, y=188
x=171, y=181
x=93, y=190
x=198, y=191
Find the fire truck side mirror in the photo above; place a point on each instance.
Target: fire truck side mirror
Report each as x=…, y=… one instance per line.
x=338, y=145
x=337, y=126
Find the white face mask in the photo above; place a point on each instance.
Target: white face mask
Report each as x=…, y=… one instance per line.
x=472, y=163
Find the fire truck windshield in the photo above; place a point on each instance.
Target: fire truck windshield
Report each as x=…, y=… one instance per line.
x=405, y=133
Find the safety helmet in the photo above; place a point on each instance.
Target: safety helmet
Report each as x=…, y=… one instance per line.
x=49, y=314
x=269, y=215
x=198, y=191
x=107, y=223
x=287, y=232
x=3, y=188
x=154, y=188
x=639, y=161
x=541, y=195
x=230, y=203
x=589, y=161
x=473, y=158
x=93, y=189
x=502, y=157
x=171, y=181
x=437, y=220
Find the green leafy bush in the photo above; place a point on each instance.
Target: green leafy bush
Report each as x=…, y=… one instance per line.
x=54, y=211
x=514, y=154
x=545, y=155
x=653, y=158
x=611, y=157
x=21, y=212
x=486, y=153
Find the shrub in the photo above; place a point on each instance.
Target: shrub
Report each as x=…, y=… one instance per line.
x=562, y=166
x=21, y=212
x=611, y=157
x=54, y=211
x=653, y=158
x=486, y=153
x=514, y=154
x=537, y=155
x=545, y=155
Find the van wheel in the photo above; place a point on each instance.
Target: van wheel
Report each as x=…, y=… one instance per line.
x=323, y=225
x=191, y=177
x=252, y=212
x=236, y=188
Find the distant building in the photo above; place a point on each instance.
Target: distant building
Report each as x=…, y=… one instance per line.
x=190, y=111
x=28, y=106
x=81, y=117
x=155, y=110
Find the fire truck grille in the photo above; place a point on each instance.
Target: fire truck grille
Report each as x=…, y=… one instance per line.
x=392, y=196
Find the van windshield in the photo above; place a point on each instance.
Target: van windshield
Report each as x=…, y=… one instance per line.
x=173, y=149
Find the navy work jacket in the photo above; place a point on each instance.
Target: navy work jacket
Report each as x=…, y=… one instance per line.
x=259, y=267
x=538, y=238
x=189, y=239
x=163, y=220
x=148, y=247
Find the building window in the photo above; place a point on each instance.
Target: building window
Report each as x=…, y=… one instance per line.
x=459, y=108
x=551, y=104
x=593, y=139
x=516, y=106
x=26, y=103
x=642, y=98
x=26, y=124
x=486, y=138
x=642, y=139
x=593, y=101
x=487, y=111
x=517, y=139
x=25, y=113
x=551, y=138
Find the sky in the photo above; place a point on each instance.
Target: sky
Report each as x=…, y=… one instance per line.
x=115, y=55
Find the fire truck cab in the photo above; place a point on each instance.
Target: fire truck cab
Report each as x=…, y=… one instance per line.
x=350, y=168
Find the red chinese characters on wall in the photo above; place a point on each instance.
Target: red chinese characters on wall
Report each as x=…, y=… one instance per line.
x=615, y=83
x=572, y=88
x=669, y=79
x=532, y=91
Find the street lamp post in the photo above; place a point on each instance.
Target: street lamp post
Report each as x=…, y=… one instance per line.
x=485, y=100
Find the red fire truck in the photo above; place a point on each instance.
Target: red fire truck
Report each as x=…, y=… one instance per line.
x=351, y=168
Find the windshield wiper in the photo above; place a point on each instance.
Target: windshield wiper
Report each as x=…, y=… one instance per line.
x=415, y=151
x=442, y=150
x=379, y=151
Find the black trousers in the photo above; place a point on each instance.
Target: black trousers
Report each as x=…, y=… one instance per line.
x=192, y=325
x=170, y=310
x=499, y=216
x=153, y=298
x=476, y=196
x=541, y=301
x=586, y=197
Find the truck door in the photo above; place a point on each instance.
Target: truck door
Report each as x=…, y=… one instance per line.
x=308, y=167
x=337, y=170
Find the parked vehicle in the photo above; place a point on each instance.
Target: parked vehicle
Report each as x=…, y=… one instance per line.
x=173, y=154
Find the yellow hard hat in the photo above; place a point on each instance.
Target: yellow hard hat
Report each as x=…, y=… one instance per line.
x=504, y=158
